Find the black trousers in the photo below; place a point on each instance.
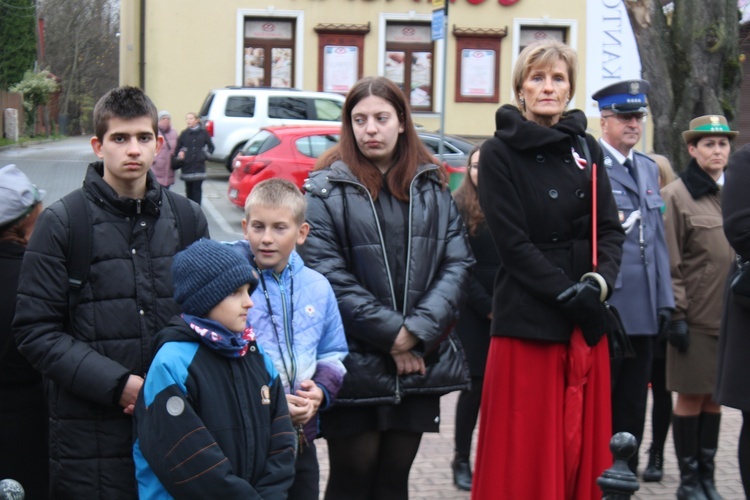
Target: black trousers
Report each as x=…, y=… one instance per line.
x=194, y=190
x=630, y=378
x=306, y=484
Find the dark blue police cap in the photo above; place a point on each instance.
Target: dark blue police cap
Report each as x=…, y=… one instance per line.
x=628, y=96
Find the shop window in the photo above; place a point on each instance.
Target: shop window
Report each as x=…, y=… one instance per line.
x=478, y=64
x=409, y=53
x=268, y=53
x=340, y=55
x=531, y=34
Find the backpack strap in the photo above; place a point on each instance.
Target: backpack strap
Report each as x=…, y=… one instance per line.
x=78, y=256
x=185, y=217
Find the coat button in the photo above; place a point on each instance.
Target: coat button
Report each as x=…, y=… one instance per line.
x=554, y=237
x=540, y=158
x=567, y=158
x=580, y=194
x=553, y=194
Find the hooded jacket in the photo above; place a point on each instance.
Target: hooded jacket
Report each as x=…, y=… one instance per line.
x=346, y=246
x=87, y=359
x=535, y=192
x=211, y=426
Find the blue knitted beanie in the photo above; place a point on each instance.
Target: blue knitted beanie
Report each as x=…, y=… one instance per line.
x=207, y=272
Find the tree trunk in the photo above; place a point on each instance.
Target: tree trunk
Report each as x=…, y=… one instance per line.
x=691, y=58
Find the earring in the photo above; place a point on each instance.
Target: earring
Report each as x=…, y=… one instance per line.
x=521, y=100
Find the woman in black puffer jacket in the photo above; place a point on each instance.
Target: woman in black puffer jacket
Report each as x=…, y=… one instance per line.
x=386, y=233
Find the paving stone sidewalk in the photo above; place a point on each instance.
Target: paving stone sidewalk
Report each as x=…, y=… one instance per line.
x=431, y=475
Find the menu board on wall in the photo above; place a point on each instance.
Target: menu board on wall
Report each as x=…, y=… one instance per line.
x=339, y=68
x=477, y=73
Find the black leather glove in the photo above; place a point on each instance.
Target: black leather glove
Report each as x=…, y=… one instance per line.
x=581, y=303
x=663, y=315
x=678, y=336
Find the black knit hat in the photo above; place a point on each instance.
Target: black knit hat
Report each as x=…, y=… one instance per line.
x=207, y=272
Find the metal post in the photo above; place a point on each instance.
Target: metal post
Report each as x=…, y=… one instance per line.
x=618, y=482
x=441, y=146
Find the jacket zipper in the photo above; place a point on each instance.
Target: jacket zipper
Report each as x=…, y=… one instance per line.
x=397, y=395
x=287, y=332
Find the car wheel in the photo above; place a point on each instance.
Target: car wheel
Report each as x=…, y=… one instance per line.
x=232, y=156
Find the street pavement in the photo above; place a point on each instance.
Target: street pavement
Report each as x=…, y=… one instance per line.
x=59, y=167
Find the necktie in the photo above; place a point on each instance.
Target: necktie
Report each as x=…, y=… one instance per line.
x=631, y=169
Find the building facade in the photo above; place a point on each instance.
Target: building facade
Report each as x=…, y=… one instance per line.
x=178, y=50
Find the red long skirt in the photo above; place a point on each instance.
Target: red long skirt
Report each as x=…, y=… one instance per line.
x=545, y=421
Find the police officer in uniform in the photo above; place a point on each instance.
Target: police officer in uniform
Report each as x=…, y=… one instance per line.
x=643, y=290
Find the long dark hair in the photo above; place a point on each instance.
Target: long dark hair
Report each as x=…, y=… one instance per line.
x=408, y=155
x=467, y=198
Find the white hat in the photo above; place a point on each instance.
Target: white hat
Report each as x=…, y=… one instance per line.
x=18, y=195
x=162, y=114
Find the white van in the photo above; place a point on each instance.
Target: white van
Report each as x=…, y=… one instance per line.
x=234, y=114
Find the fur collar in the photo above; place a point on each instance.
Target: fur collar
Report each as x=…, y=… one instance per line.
x=697, y=181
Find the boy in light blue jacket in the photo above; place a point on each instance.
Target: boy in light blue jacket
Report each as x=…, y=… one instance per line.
x=295, y=318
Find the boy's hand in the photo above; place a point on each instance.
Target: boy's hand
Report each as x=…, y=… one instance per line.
x=300, y=409
x=310, y=390
x=130, y=393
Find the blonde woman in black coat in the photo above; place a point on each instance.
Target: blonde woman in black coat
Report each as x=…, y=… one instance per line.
x=546, y=397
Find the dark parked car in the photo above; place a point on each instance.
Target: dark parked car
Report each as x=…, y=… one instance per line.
x=456, y=150
x=287, y=152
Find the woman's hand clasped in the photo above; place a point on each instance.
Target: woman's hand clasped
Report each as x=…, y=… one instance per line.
x=582, y=304
x=406, y=361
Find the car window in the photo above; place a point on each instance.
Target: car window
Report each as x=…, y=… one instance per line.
x=260, y=143
x=432, y=145
x=291, y=108
x=240, y=106
x=450, y=149
x=315, y=145
x=327, y=109
x=207, y=104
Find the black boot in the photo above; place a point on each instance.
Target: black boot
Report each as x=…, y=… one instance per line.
x=709, y=442
x=654, y=472
x=461, y=473
x=685, y=434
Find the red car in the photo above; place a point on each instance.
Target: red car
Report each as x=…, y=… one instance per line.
x=288, y=152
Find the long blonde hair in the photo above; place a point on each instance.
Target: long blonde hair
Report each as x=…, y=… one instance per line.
x=666, y=172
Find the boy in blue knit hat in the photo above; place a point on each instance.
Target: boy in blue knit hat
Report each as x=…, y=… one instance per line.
x=211, y=420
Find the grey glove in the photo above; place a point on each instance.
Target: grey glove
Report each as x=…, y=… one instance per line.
x=663, y=315
x=581, y=303
x=678, y=336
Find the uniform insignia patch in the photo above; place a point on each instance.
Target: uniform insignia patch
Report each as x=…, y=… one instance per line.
x=265, y=395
